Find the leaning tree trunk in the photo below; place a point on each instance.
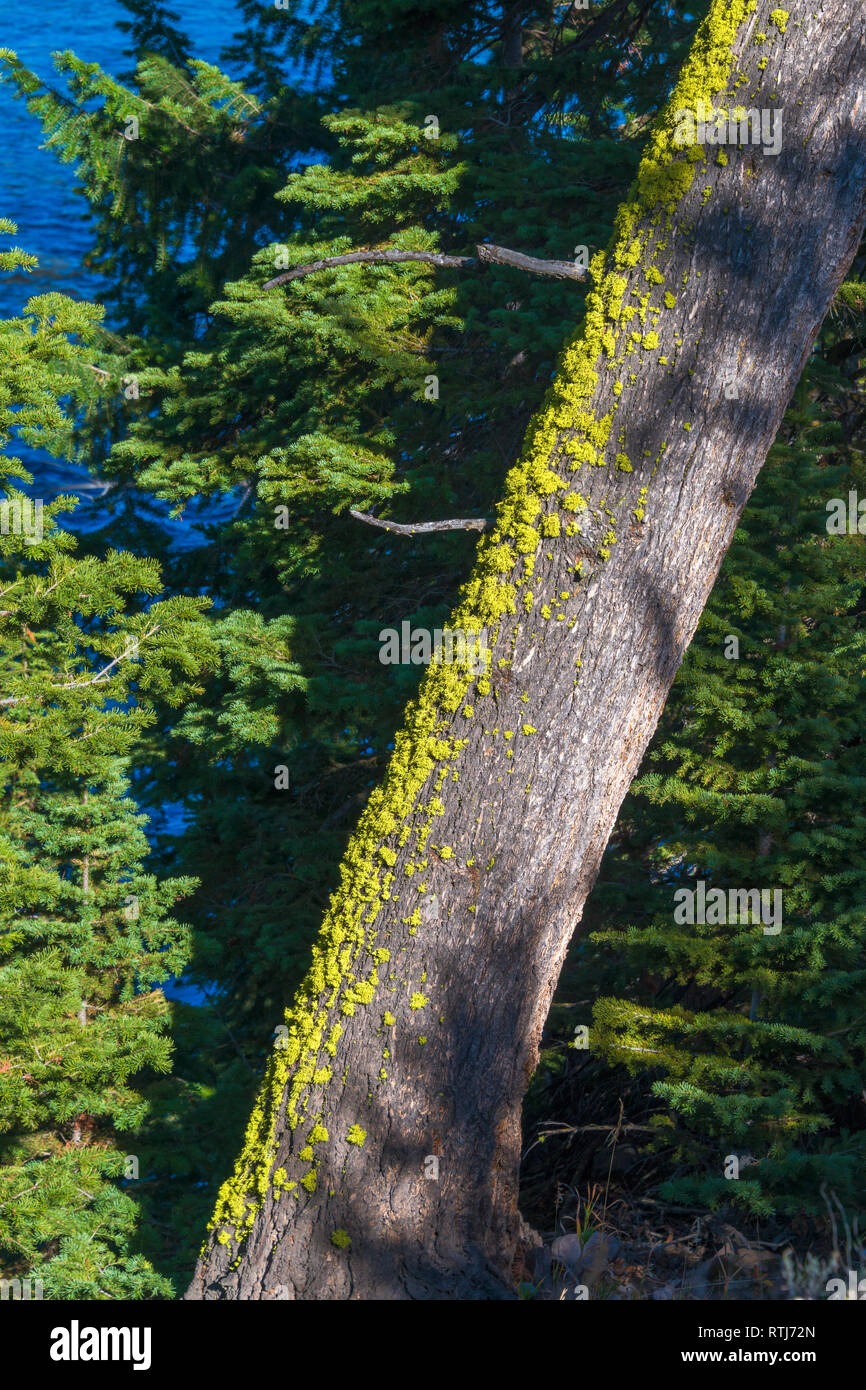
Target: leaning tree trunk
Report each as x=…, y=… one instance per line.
x=382, y=1157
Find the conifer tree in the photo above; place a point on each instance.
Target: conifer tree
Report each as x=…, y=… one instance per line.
x=753, y=1029
x=257, y=701
x=86, y=935
x=153, y=29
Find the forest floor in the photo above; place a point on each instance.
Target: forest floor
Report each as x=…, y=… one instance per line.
x=590, y=1189
x=611, y=1244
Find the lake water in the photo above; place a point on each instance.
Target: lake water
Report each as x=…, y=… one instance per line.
x=37, y=192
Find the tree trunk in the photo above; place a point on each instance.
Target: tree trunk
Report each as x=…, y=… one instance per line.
x=382, y=1158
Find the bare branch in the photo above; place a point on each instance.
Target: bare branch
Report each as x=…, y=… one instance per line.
x=476, y=523
x=486, y=254
x=556, y=270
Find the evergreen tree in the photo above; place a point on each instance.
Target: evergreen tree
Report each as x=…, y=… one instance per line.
x=534, y=893
x=86, y=935
x=86, y=941
x=750, y=1031
x=152, y=29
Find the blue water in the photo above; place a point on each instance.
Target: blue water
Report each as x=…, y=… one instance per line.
x=36, y=191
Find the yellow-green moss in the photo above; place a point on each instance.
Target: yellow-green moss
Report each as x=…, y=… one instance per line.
x=341, y=1239
x=356, y=1135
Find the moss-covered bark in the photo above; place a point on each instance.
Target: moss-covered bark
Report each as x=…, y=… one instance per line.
x=416, y=1031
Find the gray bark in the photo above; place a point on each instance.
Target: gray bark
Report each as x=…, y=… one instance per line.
x=754, y=267
x=485, y=254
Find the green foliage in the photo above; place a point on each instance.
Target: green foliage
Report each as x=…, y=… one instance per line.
x=152, y=30
x=86, y=935
x=307, y=400
x=301, y=402
x=312, y=398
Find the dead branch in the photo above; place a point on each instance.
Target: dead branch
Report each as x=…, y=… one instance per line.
x=485, y=254
x=476, y=523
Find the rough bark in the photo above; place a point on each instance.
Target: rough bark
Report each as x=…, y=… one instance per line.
x=513, y=799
